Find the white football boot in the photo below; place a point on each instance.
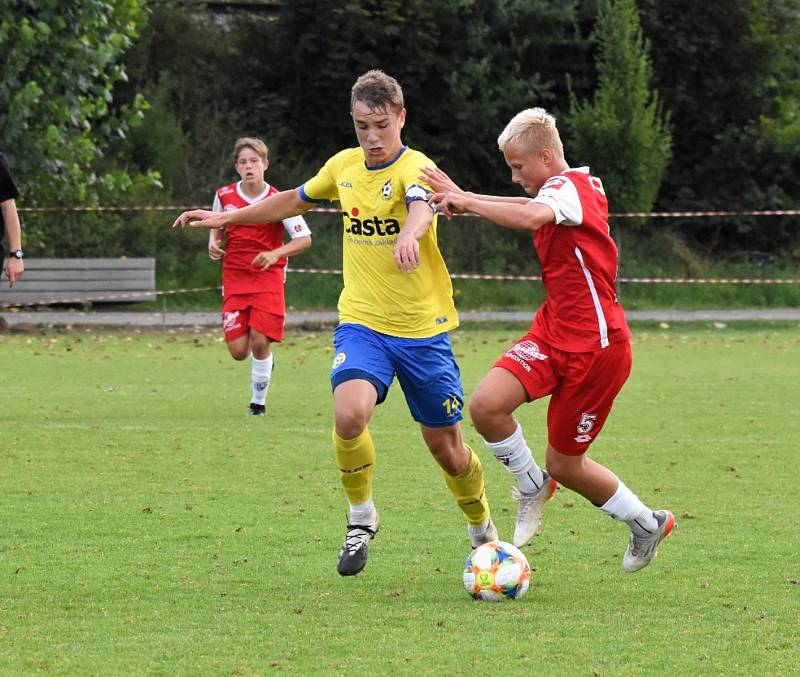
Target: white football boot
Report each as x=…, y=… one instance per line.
x=529, y=511
x=642, y=549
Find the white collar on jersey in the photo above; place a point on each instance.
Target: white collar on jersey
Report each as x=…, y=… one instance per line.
x=251, y=200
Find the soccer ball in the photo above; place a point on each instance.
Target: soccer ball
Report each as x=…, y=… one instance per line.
x=496, y=571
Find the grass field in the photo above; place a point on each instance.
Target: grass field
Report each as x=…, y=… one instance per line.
x=149, y=527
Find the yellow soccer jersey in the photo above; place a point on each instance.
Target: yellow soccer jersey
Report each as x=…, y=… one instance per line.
x=374, y=208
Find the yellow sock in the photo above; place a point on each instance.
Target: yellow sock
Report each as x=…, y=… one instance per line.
x=356, y=459
x=468, y=489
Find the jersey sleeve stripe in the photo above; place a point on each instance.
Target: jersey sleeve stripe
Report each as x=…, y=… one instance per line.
x=305, y=197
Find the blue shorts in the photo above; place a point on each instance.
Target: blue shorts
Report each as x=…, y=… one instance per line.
x=426, y=369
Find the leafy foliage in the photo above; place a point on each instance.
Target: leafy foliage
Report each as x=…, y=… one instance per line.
x=776, y=24
x=101, y=101
x=725, y=70
x=59, y=63
x=622, y=133
x=466, y=68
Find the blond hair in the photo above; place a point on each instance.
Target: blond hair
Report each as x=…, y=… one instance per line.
x=378, y=91
x=256, y=145
x=533, y=128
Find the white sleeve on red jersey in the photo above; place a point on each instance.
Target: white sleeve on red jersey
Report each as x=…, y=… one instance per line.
x=561, y=195
x=296, y=226
x=217, y=206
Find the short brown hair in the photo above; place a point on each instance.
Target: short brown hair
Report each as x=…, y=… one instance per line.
x=378, y=91
x=256, y=145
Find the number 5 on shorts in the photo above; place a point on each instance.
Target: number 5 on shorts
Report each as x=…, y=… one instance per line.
x=585, y=425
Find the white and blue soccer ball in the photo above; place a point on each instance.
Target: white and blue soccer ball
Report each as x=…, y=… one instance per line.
x=496, y=571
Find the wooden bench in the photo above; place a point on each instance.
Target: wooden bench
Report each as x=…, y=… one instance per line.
x=82, y=282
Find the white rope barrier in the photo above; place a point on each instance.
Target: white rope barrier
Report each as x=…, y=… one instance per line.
x=456, y=276
x=333, y=210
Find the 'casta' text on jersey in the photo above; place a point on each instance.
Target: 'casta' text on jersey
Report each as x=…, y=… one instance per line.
x=371, y=226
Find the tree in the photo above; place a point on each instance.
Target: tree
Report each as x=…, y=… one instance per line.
x=466, y=67
x=727, y=69
x=622, y=133
x=195, y=71
x=59, y=63
x=776, y=24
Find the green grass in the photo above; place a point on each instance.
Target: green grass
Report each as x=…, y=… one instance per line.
x=149, y=527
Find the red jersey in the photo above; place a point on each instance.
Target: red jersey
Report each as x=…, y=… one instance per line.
x=244, y=242
x=579, y=260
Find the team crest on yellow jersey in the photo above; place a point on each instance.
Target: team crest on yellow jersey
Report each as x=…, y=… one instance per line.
x=373, y=207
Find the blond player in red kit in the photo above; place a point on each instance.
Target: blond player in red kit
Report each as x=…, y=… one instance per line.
x=254, y=259
x=577, y=350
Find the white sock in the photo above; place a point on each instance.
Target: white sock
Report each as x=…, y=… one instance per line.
x=477, y=529
x=514, y=453
x=625, y=506
x=363, y=513
x=260, y=372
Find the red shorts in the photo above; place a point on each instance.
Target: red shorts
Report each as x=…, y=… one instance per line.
x=582, y=387
x=263, y=312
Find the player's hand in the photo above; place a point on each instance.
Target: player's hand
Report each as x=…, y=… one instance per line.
x=215, y=250
x=439, y=181
x=449, y=203
x=406, y=252
x=264, y=260
x=13, y=269
x=200, y=218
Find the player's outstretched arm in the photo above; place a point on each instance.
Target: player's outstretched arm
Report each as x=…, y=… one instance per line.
x=517, y=216
x=275, y=208
x=439, y=180
x=200, y=218
x=442, y=183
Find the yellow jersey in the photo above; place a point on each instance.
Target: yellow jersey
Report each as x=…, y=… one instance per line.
x=374, y=203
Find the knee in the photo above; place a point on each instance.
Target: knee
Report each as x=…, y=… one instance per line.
x=483, y=411
x=350, y=422
x=259, y=345
x=449, y=452
x=239, y=353
x=453, y=460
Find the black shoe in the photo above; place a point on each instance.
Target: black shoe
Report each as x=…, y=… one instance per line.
x=257, y=409
x=353, y=555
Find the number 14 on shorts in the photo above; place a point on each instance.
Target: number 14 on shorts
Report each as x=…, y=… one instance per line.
x=452, y=405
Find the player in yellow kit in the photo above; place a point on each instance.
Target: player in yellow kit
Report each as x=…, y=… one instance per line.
x=394, y=312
